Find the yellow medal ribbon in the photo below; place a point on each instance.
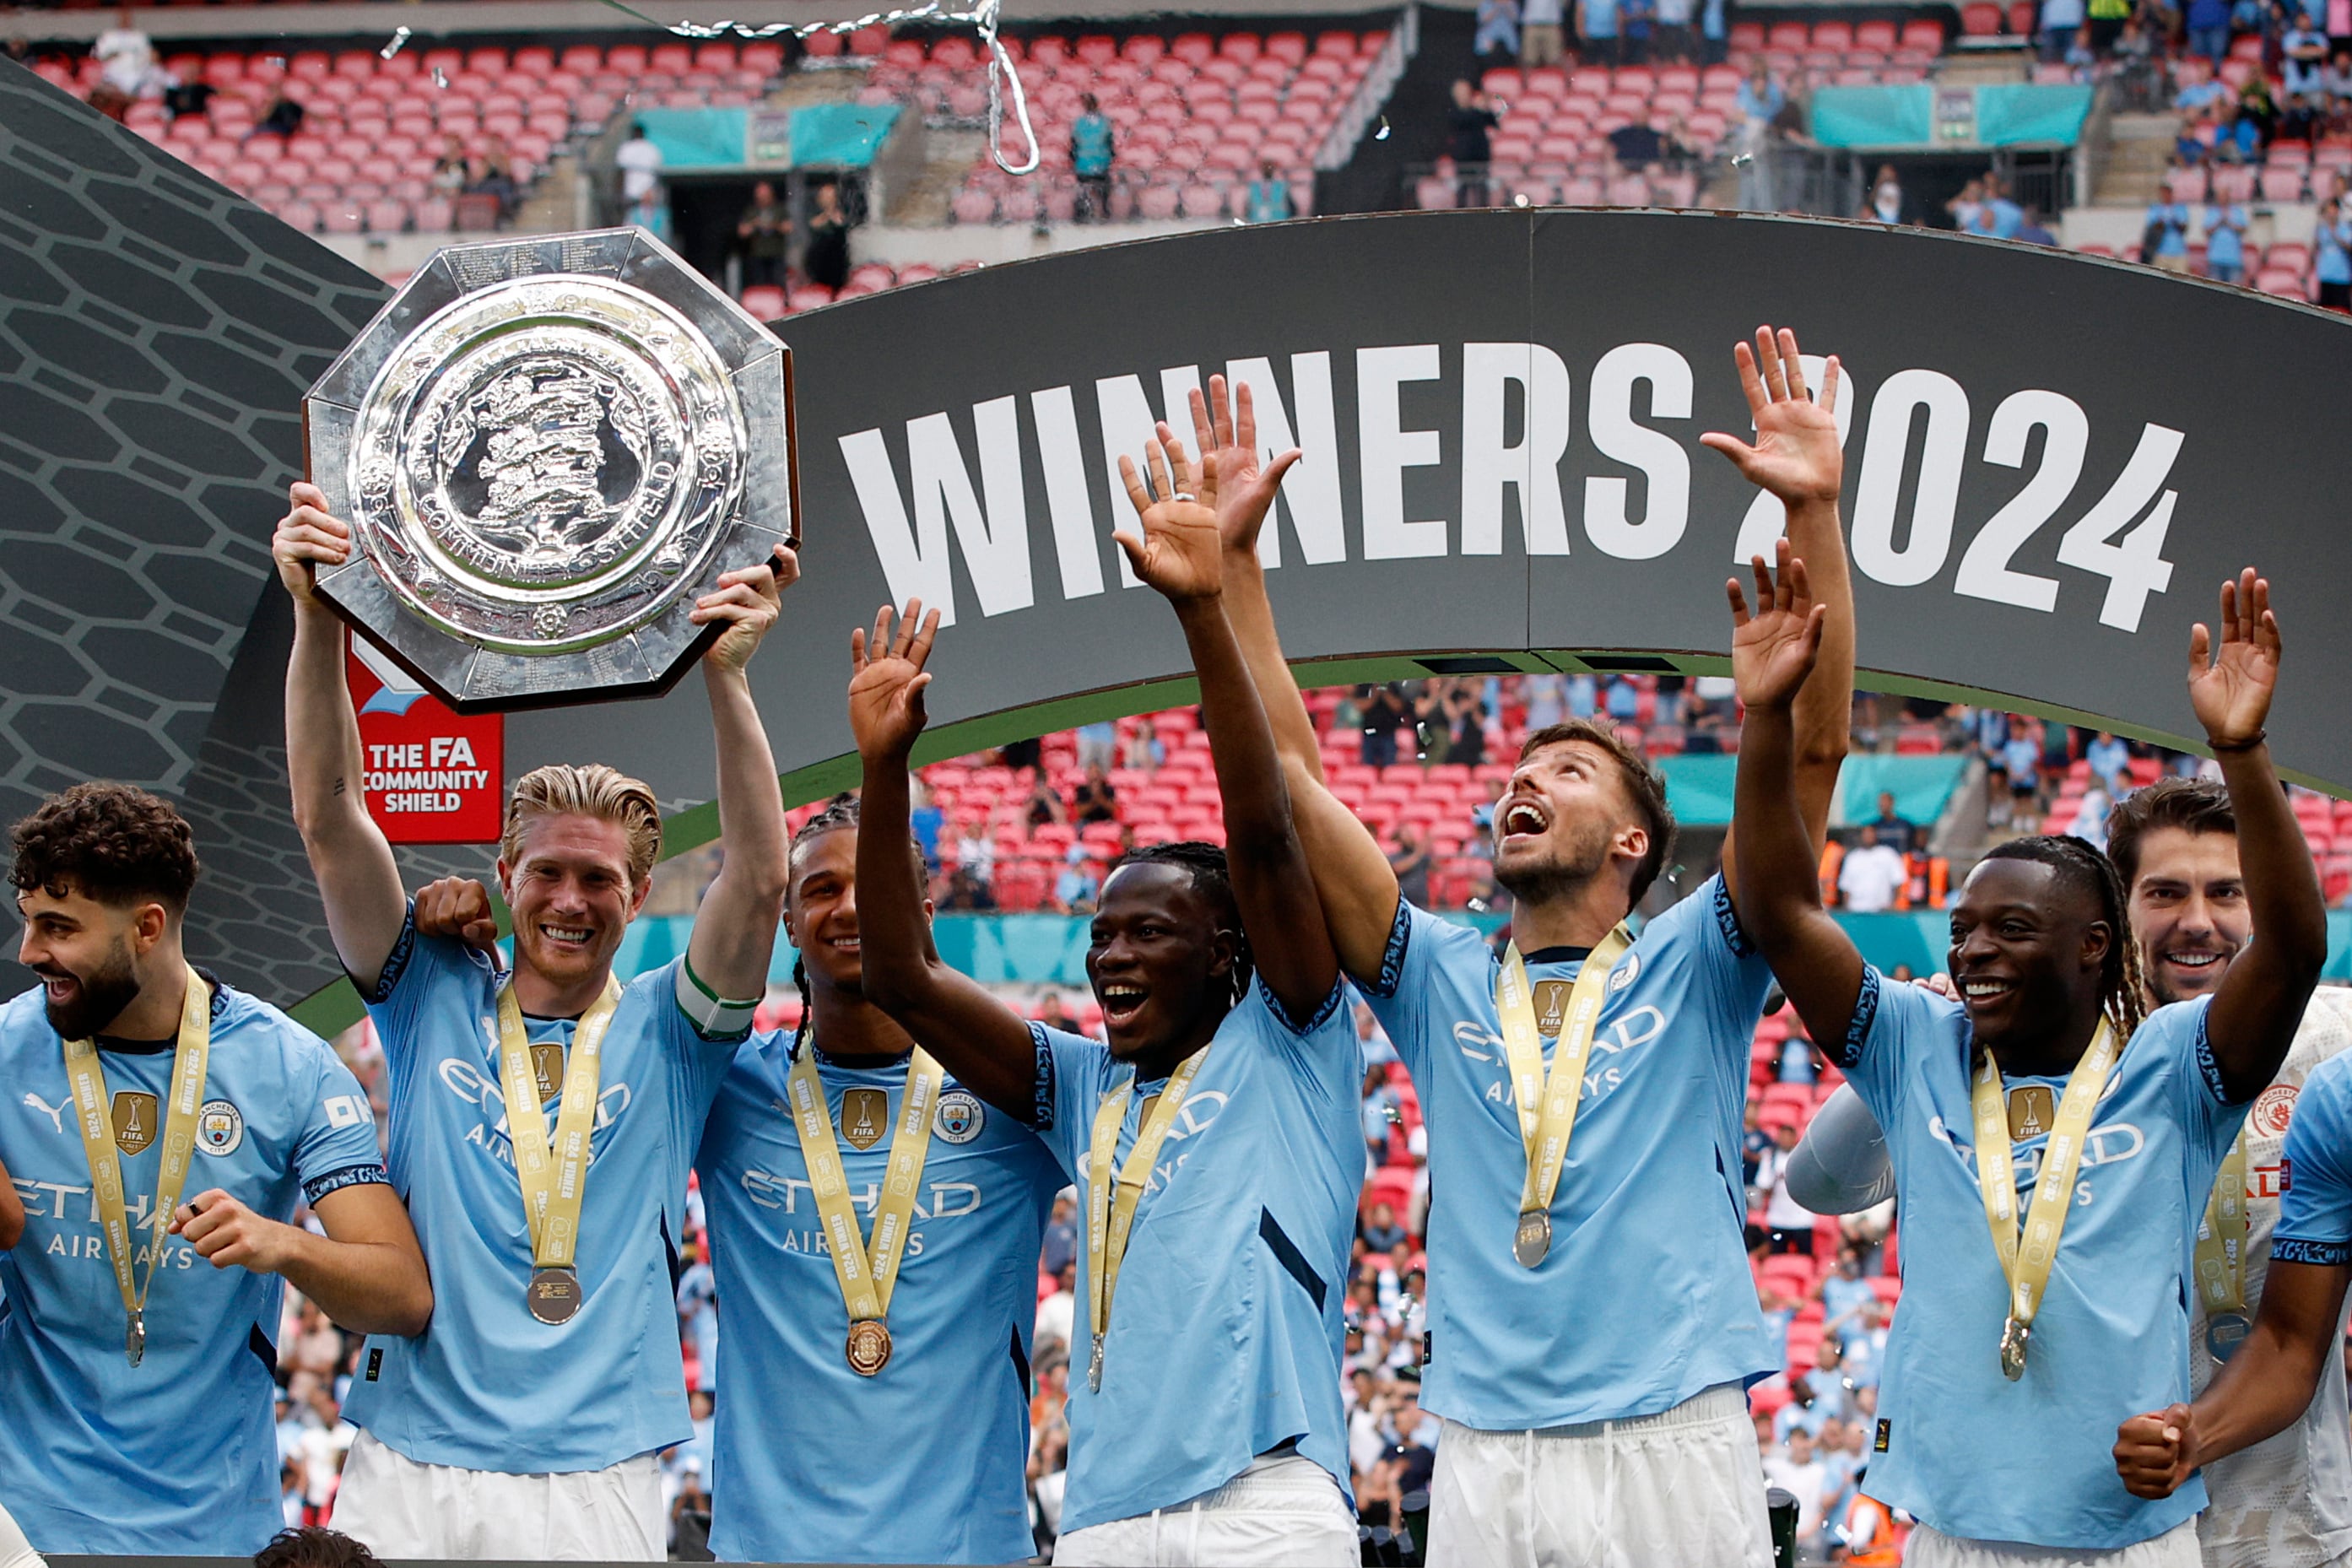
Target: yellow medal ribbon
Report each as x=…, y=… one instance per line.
x=554, y=1180
x=2027, y=1259
x=94, y=1118
x=1108, y=1222
x=1548, y=1105
x=867, y=1274
x=2221, y=1261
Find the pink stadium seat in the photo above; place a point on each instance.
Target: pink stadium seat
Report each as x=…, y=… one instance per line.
x=1836, y=34
x=2186, y=184
x=1157, y=202
x=809, y=296
x=2282, y=184
x=1923, y=33
x=1434, y=192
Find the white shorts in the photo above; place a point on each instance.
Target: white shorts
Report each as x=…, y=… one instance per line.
x=1684, y=1486
x=1931, y=1548
x=402, y=1509
x=15, y=1551
x=1281, y=1512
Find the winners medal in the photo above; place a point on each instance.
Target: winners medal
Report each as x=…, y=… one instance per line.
x=547, y=447
x=867, y=1272
x=554, y=1178
x=94, y=1117
x=2027, y=1258
x=1547, y=1103
x=2220, y=1257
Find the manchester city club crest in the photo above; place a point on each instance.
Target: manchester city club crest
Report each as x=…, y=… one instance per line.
x=220, y=1127
x=960, y=1117
x=1628, y=970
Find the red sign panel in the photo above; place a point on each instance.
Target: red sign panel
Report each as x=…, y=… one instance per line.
x=430, y=775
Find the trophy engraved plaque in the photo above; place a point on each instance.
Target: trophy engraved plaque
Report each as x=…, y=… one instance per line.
x=547, y=449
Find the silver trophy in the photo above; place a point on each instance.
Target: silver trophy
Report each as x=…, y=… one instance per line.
x=547, y=447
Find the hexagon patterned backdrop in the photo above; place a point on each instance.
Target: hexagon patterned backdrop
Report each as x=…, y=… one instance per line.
x=157, y=337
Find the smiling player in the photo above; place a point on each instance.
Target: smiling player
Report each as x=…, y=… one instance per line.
x=523, y=1424
x=2040, y=1097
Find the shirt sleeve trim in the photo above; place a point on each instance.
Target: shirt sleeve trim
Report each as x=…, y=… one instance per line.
x=1726, y=920
x=2207, y=1068
x=1041, y=1093
x=1857, y=1028
x=396, y=963
x=366, y=1175
x=714, y=1018
x=1393, y=957
x=1282, y=1014
x=2326, y=1254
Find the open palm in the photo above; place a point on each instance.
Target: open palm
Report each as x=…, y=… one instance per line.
x=2231, y=690
x=1773, y=650
x=1225, y=427
x=886, y=693
x=1179, y=552
x=1795, y=454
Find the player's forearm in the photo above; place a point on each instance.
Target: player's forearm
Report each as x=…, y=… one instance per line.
x=322, y=733
x=1824, y=712
x=2283, y=892
x=2260, y=1392
x=1252, y=613
x=367, y=1287
x=1778, y=885
x=735, y=930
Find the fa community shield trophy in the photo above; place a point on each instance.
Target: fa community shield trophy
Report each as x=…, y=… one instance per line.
x=548, y=449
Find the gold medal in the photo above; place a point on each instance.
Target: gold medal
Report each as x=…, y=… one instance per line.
x=1533, y=1241
x=869, y=1349
x=2013, y=1338
x=553, y=1294
x=134, y=1338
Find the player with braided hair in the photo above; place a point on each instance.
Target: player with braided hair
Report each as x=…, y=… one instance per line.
x=1214, y=1137
x=2103, y=1143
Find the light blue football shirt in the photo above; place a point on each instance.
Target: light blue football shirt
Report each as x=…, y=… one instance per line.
x=488, y=1387
x=1224, y=1338
x=1957, y=1444
x=178, y=1456
x=2314, y=1222
x=925, y=1462
x=1645, y=1298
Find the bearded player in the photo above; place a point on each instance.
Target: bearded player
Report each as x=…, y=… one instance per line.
x=1215, y=1141
x=523, y=1423
x=1592, y=1318
x=164, y=1128
x=2285, y=1502
x=2053, y=1150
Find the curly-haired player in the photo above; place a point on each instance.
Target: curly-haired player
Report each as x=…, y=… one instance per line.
x=164, y=1127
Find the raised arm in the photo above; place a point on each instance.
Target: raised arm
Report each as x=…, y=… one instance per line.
x=358, y=880
x=1797, y=459
x=1841, y=1165
x=1177, y=554
x=1353, y=880
x=735, y=928
x=1779, y=892
x=977, y=1039
x=2259, y=1001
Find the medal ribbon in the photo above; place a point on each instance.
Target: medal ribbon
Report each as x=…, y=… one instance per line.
x=2026, y=1259
x=1548, y=1105
x=554, y=1181
x=2221, y=1239
x=1108, y=1222
x=868, y=1276
x=93, y=1113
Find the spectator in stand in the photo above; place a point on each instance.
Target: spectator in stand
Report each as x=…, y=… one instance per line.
x=2034, y=231
x=1635, y=21
x=1844, y=1293
x=1546, y=699
x=126, y=59
x=2209, y=29
x=1800, y=1062
x=2107, y=755
x=1753, y=1142
x=1797, y=1468
x=1714, y=31
x=1863, y=1344
x=452, y=171
x=2305, y=117
x=282, y=118
x=494, y=176
x=1597, y=25
x=1760, y=98
x=2337, y=80
x=1384, y=710
x=825, y=257
x=1058, y=1310
x=1870, y=877
x=2164, y=244
x=697, y=1311
x=1894, y=831
x=1675, y=42
x=1542, y=32
x=1470, y=124
x=2331, y=262
x=1381, y=1109
x=2059, y=21
x=1092, y=151
x=1095, y=800
x=1410, y=862
x=1076, y=889
x=1046, y=808
x=2111, y=19
x=689, y=1518
x=1886, y=203
x=765, y=231
x=2303, y=57
x=1789, y=1221
x=639, y=160
x=1999, y=217
x=2258, y=109
x=1497, y=40
x=1380, y=1229
x=1061, y=1235
x=1465, y=722
x=1268, y=197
